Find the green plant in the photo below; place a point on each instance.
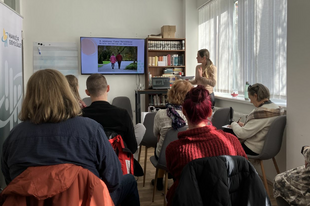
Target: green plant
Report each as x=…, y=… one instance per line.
x=132, y=66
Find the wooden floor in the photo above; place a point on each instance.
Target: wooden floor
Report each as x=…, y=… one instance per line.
x=146, y=192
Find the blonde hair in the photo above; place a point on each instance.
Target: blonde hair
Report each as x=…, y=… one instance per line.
x=208, y=70
x=178, y=91
x=96, y=84
x=74, y=84
x=48, y=98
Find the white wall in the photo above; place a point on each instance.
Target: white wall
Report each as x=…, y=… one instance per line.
x=191, y=35
x=67, y=20
x=298, y=73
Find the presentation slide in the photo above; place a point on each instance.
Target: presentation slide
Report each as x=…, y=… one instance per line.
x=112, y=55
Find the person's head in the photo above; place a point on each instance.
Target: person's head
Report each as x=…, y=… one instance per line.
x=48, y=98
x=203, y=57
x=74, y=85
x=197, y=105
x=96, y=85
x=258, y=93
x=177, y=92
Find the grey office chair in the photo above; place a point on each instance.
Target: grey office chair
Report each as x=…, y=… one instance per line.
x=87, y=101
x=272, y=145
x=171, y=136
x=222, y=116
x=149, y=139
x=123, y=102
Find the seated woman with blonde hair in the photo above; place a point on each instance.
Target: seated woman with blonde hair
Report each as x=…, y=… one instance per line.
x=53, y=133
x=171, y=117
x=200, y=140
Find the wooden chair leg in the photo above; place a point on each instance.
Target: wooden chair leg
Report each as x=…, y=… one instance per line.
x=145, y=159
x=166, y=186
x=139, y=153
x=264, y=177
x=155, y=184
x=276, y=165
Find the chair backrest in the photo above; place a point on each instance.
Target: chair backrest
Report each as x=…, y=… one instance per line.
x=149, y=139
x=123, y=102
x=87, y=101
x=171, y=136
x=222, y=117
x=273, y=139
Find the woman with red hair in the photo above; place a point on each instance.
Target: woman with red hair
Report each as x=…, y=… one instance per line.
x=200, y=140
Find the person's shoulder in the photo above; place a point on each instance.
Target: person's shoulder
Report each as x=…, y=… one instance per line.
x=118, y=109
x=20, y=128
x=79, y=120
x=162, y=113
x=172, y=146
x=227, y=135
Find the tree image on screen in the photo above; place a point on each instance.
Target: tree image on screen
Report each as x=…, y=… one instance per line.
x=117, y=58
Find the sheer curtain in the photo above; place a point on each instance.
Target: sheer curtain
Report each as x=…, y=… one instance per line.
x=247, y=42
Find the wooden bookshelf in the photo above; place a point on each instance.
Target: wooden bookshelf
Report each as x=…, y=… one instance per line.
x=166, y=49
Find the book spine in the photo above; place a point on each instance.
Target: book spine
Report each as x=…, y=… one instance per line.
x=169, y=60
x=150, y=61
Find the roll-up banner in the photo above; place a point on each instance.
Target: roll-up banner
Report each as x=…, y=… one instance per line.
x=11, y=73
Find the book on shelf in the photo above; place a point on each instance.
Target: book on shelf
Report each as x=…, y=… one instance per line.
x=157, y=99
x=181, y=60
x=164, y=45
x=169, y=60
x=150, y=61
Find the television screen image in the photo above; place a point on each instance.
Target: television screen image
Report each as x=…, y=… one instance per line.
x=112, y=55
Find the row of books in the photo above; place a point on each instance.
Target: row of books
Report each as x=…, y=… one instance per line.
x=166, y=45
x=157, y=99
x=169, y=60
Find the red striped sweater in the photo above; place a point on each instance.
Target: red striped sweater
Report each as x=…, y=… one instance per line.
x=198, y=143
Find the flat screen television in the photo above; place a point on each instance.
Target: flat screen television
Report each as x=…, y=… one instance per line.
x=112, y=55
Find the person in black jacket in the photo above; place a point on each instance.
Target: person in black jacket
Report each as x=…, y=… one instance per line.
x=112, y=118
x=220, y=180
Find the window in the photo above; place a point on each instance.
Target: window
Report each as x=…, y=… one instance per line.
x=247, y=42
x=14, y=4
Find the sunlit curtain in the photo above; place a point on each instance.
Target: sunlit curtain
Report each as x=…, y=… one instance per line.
x=247, y=42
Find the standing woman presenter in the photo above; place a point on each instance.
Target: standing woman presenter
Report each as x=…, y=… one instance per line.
x=205, y=73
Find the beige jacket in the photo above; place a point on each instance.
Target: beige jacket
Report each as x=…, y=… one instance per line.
x=254, y=131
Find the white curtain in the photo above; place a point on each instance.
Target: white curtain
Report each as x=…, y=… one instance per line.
x=247, y=42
